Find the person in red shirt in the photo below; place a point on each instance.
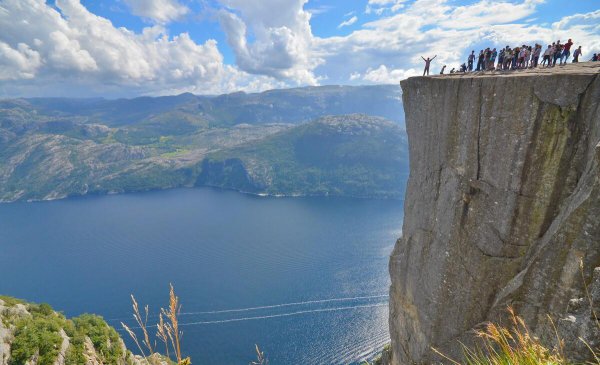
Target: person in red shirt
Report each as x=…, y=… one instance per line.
x=566, y=52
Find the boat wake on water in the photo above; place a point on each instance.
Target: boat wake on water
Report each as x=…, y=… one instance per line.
x=287, y=305
x=359, y=302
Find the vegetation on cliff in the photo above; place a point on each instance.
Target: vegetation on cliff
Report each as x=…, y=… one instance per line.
x=36, y=334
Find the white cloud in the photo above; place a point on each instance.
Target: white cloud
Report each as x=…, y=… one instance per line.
x=20, y=62
x=160, y=11
x=380, y=6
x=348, y=22
x=282, y=45
x=73, y=51
x=318, y=10
x=80, y=51
x=584, y=29
x=397, y=40
x=383, y=75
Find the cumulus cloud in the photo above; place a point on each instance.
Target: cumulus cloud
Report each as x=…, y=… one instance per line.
x=282, y=44
x=383, y=75
x=64, y=47
x=582, y=28
x=82, y=51
x=159, y=11
x=397, y=40
x=348, y=22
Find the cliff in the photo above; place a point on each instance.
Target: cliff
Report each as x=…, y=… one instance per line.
x=502, y=206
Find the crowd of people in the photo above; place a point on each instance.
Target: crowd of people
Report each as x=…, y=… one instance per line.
x=521, y=57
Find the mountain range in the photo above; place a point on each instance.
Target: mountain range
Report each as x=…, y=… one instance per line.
x=331, y=140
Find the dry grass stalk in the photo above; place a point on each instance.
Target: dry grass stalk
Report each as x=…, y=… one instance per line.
x=260, y=358
x=166, y=331
x=508, y=346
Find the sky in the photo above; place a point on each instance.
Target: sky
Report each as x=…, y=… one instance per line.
x=127, y=48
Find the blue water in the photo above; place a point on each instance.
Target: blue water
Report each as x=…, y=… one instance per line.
x=318, y=266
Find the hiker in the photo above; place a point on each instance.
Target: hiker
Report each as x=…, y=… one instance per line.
x=557, y=52
x=594, y=58
x=471, y=59
x=508, y=56
x=536, y=55
x=486, y=59
x=547, y=53
x=528, y=57
x=463, y=68
x=427, y=63
x=515, y=58
x=521, y=59
x=576, y=55
x=493, y=56
x=500, y=59
x=479, y=61
x=443, y=68
x=566, y=52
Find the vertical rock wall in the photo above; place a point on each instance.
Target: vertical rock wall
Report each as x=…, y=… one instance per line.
x=503, y=202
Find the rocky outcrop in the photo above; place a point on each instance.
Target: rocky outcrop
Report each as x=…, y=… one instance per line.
x=64, y=346
x=580, y=327
x=28, y=323
x=502, y=204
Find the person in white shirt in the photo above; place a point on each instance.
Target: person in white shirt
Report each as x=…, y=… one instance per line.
x=546, y=60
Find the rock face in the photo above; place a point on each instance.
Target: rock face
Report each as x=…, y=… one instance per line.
x=502, y=204
x=581, y=322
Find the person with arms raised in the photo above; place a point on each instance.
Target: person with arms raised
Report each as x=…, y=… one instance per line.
x=427, y=64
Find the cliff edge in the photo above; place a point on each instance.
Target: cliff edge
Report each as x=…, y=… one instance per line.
x=502, y=205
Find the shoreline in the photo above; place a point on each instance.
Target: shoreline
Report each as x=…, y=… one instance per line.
x=260, y=194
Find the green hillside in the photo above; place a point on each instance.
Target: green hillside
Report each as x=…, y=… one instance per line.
x=350, y=155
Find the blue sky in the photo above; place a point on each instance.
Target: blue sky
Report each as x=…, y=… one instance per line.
x=116, y=48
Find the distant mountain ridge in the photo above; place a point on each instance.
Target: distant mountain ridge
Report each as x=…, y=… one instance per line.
x=52, y=148
x=353, y=155
x=273, y=106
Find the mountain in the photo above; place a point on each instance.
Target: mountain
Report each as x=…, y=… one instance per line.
x=273, y=106
x=502, y=210
x=351, y=155
x=52, y=148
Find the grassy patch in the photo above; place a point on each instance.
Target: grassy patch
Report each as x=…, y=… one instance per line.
x=10, y=301
x=104, y=338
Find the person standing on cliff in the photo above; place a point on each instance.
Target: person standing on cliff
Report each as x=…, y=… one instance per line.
x=427, y=64
x=536, y=55
x=493, y=55
x=576, y=55
x=470, y=60
x=500, y=59
x=546, y=60
x=557, y=52
x=508, y=56
x=479, y=61
x=566, y=52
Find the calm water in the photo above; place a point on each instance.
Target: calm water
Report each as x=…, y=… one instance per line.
x=316, y=266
